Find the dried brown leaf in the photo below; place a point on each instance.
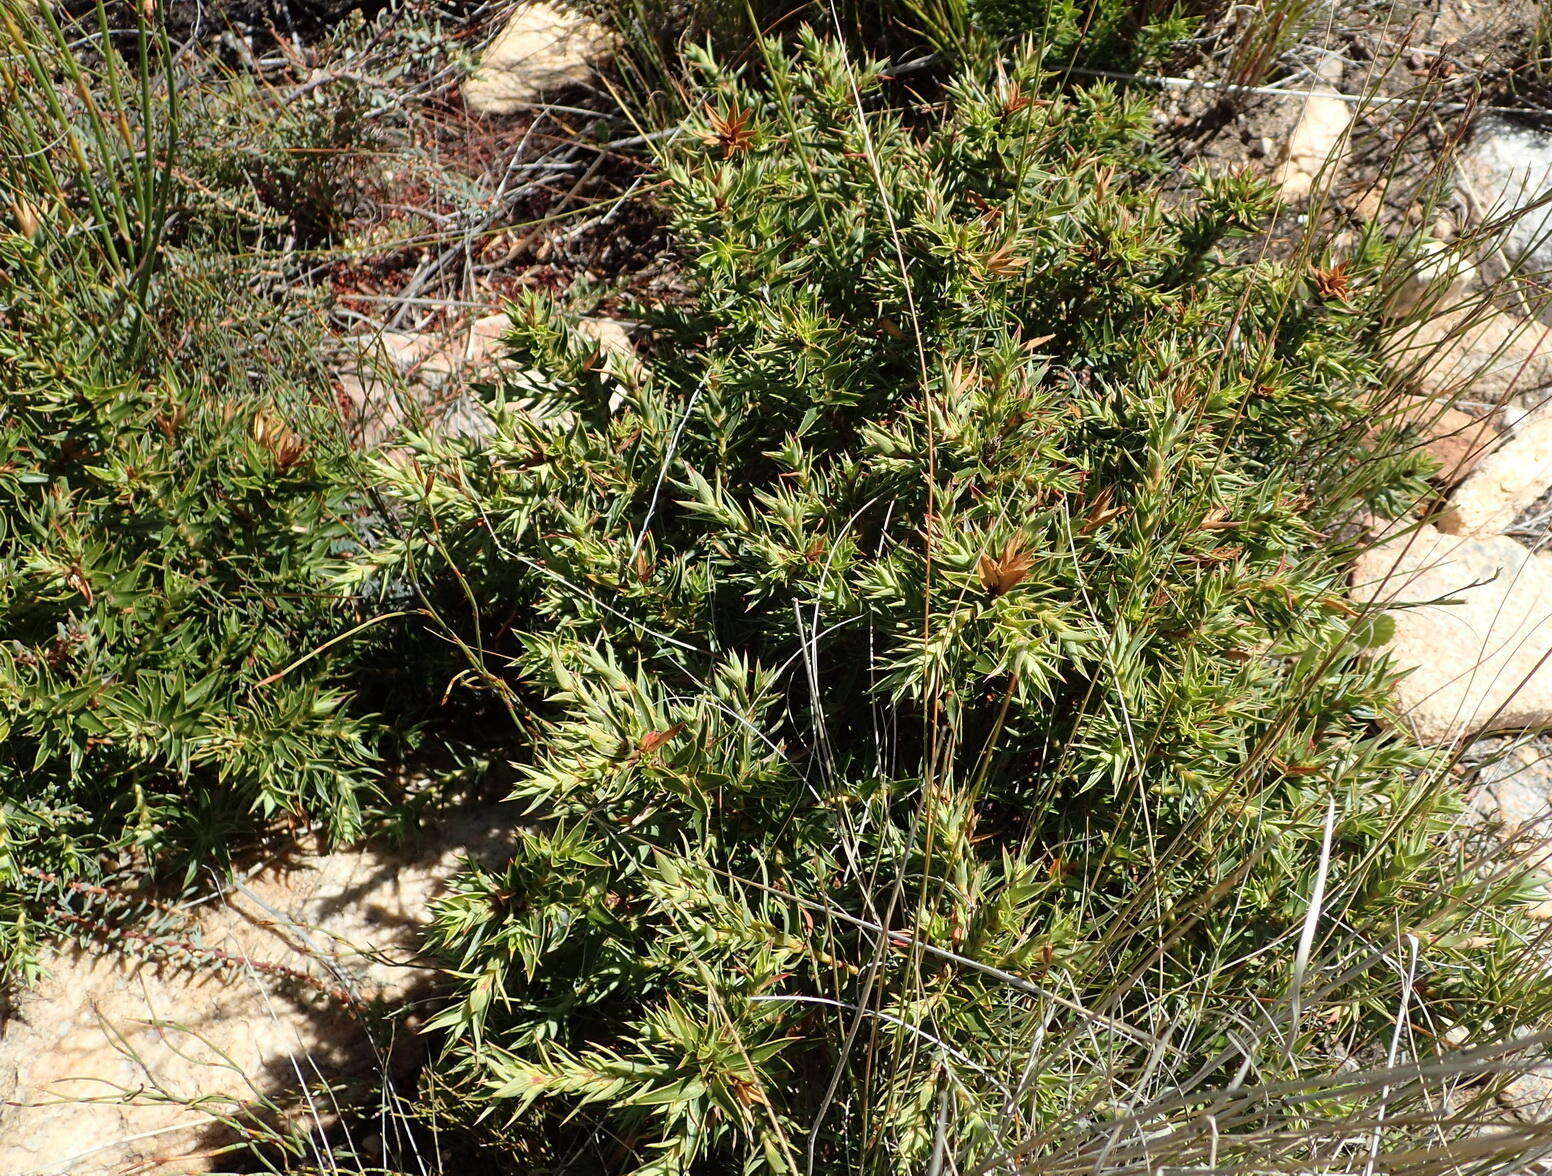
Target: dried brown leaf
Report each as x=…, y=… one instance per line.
x=730, y=130
x=653, y=740
x=1100, y=512
x=1334, y=284
x=1002, y=262
x=1006, y=571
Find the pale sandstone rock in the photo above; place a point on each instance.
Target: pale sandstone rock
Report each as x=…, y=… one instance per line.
x=477, y=346
x=1478, y=639
x=482, y=343
x=1454, y=438
x=1314, y=147
x=1528, y=1096
x=1505, y=171
x=1438, y=279
x=543, y=48
x=1460, y=26
x=1515, y=792
x=142, y=1039
x=440, y=366
x=1497, y=357
x=1504, y=482
x=612, y=339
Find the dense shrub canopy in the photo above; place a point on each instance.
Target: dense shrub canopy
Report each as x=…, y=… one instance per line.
x=931, y=653
x=927, y=677
x=164, y=538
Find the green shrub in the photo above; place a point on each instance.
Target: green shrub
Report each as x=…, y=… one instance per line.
x=1240, y=43
x=1105, y=34
x=171, y=501
x=937, y=695
x=1092, y=34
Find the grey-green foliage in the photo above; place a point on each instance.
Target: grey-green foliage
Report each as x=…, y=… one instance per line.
x=935, y=654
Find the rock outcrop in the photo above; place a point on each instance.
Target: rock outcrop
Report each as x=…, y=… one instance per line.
x=1315, y=146
x=1473, y=630
x=1505, y=481
x=1505, y=171
x=1455, y=439
x=1497, y=357
x=543, y=48
x=1514, y=791
x=117, y=1063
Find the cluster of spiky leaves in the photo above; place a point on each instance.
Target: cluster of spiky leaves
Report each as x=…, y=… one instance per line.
x=172, y=496
x=928, y=656
x=164, y=538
